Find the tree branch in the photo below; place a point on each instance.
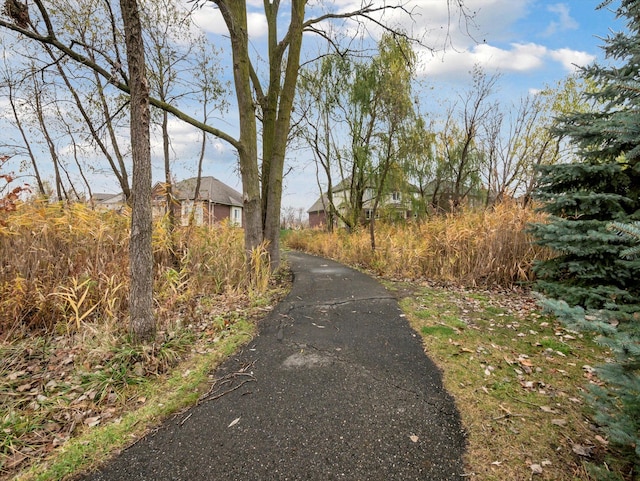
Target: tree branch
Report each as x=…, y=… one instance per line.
x=52, y=40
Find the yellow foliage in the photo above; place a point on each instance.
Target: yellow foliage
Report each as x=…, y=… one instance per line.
x=473, y=247
x=63, y=266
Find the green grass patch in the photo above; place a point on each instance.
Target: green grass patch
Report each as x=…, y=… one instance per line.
x=556, y=346
x=437, y=331
x=518, y=378
x=156, y=400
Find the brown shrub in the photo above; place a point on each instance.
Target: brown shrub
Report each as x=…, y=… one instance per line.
x=472, y=248
x=65, y=265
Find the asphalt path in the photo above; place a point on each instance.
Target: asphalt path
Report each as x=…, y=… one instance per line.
x=336, y=386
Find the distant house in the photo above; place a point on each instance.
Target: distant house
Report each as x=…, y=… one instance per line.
x=395, y=204
x=441, y=197
x=216, y=202
x=318, y=212
x=403, y=203
x=108, y=201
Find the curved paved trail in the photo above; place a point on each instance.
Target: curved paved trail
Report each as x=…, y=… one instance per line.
x=335, y=386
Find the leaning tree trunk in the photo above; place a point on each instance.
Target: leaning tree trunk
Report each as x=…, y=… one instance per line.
x=280, y=107
x=235, y=16
x=142, y=323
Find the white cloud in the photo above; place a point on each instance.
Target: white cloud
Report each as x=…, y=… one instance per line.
x=257, y=24
x=220, y=147
x=571, y=59
x=209, y=19
x=519, y=58
x=184, y=139
x=564, y=22
x=440, y=22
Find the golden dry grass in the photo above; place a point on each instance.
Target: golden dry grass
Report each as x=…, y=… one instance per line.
x=67, y=265
x=67, y=365
x=473, y=248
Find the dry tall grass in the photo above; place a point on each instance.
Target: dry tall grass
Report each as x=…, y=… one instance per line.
x=471, y=248
x=65, y=266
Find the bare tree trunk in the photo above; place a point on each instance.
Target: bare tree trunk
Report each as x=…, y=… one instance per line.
x=60, y=191
x=120, y=173
x=196, y=190
x=142, y=323
x=120, y=170
x=78, y=164
x=235, y=16
x=173, y=256
x=203, y=147
x=277, y=108
x=34, y=164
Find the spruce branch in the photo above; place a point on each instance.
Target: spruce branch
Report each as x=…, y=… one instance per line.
x=629, y=231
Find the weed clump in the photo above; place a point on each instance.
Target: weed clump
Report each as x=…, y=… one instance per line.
x=66, y=266
x=474, y=248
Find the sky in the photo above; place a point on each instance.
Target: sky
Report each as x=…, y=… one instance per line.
x=530, y=43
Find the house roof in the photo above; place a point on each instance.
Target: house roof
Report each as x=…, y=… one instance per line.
x=103, y=198
x=319, y=205
x=211, y=189
x=345, y=184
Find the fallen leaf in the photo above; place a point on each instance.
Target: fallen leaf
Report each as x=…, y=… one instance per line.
x=234, y=422
x=414, y=438
x=536, y=469
x=23, y=387
x=581, y=450
x=92, y=421
x=559, y=422
x=15, y=375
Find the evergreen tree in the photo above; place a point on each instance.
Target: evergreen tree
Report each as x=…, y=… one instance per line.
x=591, y=284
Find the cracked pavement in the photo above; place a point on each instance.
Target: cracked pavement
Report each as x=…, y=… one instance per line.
x=335, y=386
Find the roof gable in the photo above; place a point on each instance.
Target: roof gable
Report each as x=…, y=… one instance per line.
x=211, y=189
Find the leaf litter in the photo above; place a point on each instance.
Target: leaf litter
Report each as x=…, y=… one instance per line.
x=518, y=377
x=52, y=388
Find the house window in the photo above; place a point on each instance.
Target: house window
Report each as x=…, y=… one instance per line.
x=189, y=208
x=236, y=216
x=186, y=209
x=395, y=196
x=368, y=214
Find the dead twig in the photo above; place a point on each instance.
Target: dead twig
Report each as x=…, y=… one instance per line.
x=215, y=390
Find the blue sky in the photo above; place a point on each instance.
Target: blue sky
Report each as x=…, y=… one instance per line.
x=530, y=43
